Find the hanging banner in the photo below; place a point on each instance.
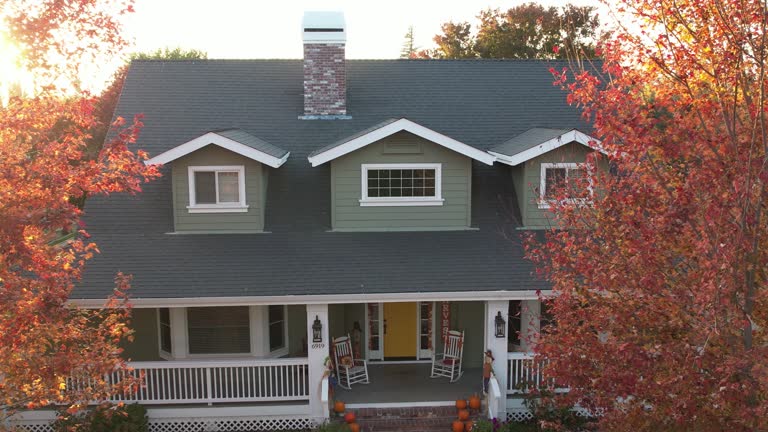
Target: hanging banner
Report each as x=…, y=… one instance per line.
x=445, y=319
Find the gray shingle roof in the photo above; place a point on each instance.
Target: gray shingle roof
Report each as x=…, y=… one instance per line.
x=527, y=140
x=353, y=136
x=245, y=138
x=479, y=102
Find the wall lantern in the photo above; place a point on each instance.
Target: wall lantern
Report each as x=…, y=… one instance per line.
x=500, y=326
x=317, y=330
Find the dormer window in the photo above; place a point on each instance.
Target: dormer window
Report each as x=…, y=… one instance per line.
x=217, y=189
x=401, y=185
x=559, y=178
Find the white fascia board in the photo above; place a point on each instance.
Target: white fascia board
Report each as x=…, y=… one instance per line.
x=397, y=126
x=548, y=146
x=320, y=299
x=221, y=141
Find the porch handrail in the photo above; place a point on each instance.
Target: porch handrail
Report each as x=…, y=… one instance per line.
x=213, y=381
x=324, y=397
x=494, y=398
x=203, y=362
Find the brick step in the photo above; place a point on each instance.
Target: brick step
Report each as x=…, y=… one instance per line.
x=423, y=419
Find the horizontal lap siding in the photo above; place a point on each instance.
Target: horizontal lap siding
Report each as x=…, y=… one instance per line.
x=402, y=147
x=250, y=221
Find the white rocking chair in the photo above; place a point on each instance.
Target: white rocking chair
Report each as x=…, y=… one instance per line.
x=348, y=369
x=448, y=364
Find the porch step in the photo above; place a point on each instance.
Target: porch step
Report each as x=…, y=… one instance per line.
x=424, y=419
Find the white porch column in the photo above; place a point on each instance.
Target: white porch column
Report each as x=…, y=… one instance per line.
x=179, y=347
x=259, y=331
x=316, y=354
x=529, y=323
x=498, y=347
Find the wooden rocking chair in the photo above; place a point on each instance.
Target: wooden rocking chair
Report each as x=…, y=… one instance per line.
x=348, y=369
x=448, y=364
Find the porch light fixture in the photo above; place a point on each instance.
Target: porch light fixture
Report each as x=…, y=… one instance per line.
x=317, y=330
x=500, y=325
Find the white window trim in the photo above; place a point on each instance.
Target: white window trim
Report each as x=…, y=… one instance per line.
x=545, y=203
x=282, y=351
x=239, y=207
x=256, y=325
x=366, y=201
x=163, y=354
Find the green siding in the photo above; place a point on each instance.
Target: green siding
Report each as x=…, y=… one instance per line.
x=470, y=318
x=528, y=186
x=250, y=221
x=297, y=330
x=145, y=345
x=403, y=147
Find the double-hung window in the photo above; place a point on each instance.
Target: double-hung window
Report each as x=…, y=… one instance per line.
x=219, y=330
x=562, y=181
x=401, y=185
x=217, y=189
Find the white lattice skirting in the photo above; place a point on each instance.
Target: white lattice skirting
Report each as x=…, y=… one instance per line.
x=518, y=415
x=202, y=424
x=238, y=424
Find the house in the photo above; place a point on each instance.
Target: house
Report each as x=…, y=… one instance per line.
x=325, y=195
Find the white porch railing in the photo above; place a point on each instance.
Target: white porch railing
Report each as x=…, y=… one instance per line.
x=524, y=374
x=494, y=398
x=215, y=381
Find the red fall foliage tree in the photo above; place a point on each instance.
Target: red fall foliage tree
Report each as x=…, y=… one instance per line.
x=660, y=284
x=44, y=340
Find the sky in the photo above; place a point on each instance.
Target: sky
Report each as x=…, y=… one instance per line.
x=248, y=29
x=272, y=29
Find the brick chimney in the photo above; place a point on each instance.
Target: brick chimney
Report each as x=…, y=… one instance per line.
x=325, y=75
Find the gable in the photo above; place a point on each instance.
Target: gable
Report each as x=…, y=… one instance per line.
x=538, y=141
x=391, y=127
x=234, y=140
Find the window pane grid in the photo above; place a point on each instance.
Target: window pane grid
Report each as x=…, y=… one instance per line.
x=563, y=179
x=398, y=183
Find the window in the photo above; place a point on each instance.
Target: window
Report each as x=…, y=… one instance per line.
x=276, y=327
x=164, y=321
x=546, y=319
x=401, y=185
x=219, y=330
x=514, y=323
x=425, y=325
x=217, y=189
x=557, y=178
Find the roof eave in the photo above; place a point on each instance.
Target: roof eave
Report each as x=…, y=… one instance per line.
x=573, y=135
x=402, y=124
x=221, y=141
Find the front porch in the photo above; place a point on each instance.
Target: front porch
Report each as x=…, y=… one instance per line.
x=409, y=384
x=257, y=367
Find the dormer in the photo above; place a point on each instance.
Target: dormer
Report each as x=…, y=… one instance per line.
x=219, y=181
x=544, y=160
x=400, y=176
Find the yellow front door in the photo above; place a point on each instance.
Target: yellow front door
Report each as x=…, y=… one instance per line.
x=399, y=330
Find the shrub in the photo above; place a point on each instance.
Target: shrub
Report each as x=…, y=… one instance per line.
x=104, y=418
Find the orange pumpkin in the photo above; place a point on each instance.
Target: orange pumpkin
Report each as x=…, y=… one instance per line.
x=457, y=426
x=474, y=402
x=349, y=417
x=339, y=407
x=463, y=415
x=461, y=404
x=354, y=427
x=468, y=426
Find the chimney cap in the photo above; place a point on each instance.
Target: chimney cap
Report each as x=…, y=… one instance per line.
x=324, y=27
